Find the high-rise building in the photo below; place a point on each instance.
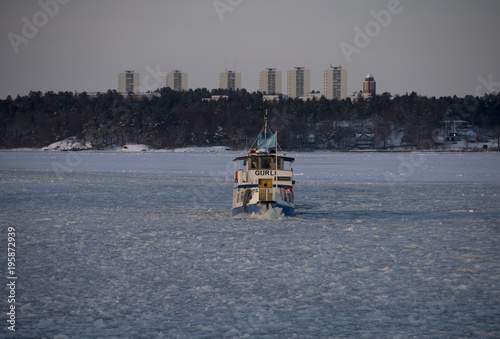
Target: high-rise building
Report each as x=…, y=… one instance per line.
x=129, y=81
x=270, y=81
x=335, y=83
x=369, y=85
x=230, y=80
x=177, y=80
x=298, y=82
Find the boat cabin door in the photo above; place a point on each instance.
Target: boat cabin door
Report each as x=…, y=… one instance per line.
x=266, y=189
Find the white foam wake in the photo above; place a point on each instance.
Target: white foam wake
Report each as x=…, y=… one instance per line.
x=272, y=213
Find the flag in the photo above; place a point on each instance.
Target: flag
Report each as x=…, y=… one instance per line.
x=269, y=142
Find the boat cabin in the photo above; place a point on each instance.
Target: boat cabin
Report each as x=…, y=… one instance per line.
x=263, y=171
x=264, y=165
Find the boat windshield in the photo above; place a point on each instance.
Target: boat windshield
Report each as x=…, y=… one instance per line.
x=268, y=163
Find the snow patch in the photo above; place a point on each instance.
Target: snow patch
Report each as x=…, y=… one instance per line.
x=214, y=149
x=135, y=148
x=69, y=144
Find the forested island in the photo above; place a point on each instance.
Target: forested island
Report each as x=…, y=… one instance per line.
x=173, y=119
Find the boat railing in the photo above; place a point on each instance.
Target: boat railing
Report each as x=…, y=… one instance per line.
x=266, y=194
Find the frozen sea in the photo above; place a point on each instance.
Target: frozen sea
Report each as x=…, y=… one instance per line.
x=143, y=245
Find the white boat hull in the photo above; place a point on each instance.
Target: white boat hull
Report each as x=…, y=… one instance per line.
x=257, y=200
x=261, y=208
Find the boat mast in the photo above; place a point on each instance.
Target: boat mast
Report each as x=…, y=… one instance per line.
x=265, y=126
x=276, y=158
x=264, y=131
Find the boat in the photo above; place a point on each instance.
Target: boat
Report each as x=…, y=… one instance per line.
x=263, y=178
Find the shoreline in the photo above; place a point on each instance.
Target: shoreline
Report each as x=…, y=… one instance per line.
x=211, y=150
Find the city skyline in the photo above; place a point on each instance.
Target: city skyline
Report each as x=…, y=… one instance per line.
x=442, y=48
x=270, y=82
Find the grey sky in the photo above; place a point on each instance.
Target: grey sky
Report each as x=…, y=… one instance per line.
x=436, y=48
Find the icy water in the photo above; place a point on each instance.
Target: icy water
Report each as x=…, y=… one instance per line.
x=143, y=245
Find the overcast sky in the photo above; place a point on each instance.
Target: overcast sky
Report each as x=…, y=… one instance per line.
x=433, y=47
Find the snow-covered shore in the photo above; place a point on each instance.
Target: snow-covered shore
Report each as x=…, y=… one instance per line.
x=72, y=144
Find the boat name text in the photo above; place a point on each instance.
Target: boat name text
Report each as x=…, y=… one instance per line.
x=265, y=172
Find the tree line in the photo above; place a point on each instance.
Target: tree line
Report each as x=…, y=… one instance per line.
x=182, y=118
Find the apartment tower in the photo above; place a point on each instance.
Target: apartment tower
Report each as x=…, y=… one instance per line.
x=298, y=82
x=369, y=85
x=129, y=81
x=270, y=81
x=177, y=80
x=230, y=80
x=335, y=83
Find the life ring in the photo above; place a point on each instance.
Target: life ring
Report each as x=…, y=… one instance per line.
x=288, y=189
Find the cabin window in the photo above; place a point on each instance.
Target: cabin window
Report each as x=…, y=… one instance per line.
x=280, y=163
x=265, y=163
x=253, y=164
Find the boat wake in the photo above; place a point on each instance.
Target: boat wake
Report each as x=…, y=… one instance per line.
x=272, y=213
